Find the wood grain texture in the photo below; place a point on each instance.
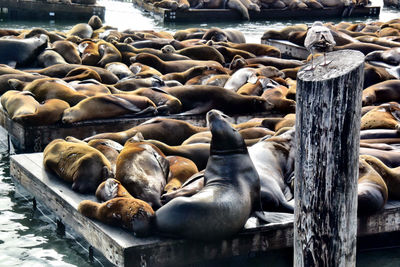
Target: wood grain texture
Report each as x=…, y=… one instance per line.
x=328, y=114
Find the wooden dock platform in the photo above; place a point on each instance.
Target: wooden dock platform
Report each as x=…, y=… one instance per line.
x=122, y=248
x=35, y=138
x=38, y=10
x=206, y=15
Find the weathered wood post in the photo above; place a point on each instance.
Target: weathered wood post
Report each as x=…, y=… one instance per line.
x=328, y=113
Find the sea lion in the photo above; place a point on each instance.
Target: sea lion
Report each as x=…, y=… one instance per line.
x=276, y=97
x=90, y=87
x=186, y=75
x=381, y=92
x=156, y=128
x=230, y=175
x=274, y=161
x=144, y=71
x=89, y=53
x=391, y=176
x=254, y=88
x=173, y=66
x=48, y=88
x=253, y=48
x=276, y=124
x=50, y=57
x=219, y=35
x=198, y=99
x=374, y=75
x=16, y=81
x=364, y=48
x=109, y=148
x=180, y=169
x=166, y=103
x=198, y=153
x=109, y=53
x=372, y=192
x=130, y=213
x=158, y=43
x=132, y=83
x=278, y=63
x=81, y=74
x=82, y=30
x=389, y=157
x=111, y=188
x=95, y=22
x=68, y=50
x=108, y=106
x=143, y=170
x=21, y=52
x=119, y=69
x=23, y=108
x=378, y=40
x=283, y=33
x=61, y=70
x=385, y=116
x=202, y=52
x=390, y=56
x=83, y=166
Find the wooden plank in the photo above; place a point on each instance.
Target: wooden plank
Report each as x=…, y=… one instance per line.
x=123, y=249
x=206, y=15
x=35, y=138
x=11, y=9
x=288, y=49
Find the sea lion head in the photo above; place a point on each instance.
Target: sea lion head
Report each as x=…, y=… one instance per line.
x=225, y=139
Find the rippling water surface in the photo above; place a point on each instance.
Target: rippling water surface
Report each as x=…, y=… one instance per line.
x=29, y=237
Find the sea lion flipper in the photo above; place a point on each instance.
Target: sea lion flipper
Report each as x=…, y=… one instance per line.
x=157, y=89
x=200, y=109
x=273, y=217
x=122, y=103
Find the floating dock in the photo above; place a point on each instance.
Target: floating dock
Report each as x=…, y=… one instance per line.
x=41, y=10
x=206, y=15
x=122, y=248
x=35, y=138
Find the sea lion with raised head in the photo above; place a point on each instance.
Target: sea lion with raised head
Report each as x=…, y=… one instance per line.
x=230, y=193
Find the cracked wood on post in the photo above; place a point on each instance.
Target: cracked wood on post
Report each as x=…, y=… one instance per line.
x=328, y=114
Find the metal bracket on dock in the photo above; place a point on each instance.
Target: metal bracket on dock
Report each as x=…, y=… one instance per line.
x=170, y=15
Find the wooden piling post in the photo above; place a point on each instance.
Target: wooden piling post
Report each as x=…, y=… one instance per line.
x=328, y=113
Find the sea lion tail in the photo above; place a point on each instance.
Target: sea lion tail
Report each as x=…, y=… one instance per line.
x=89, y=208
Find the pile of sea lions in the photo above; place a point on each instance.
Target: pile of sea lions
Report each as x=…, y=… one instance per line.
x=100, y=73
x=166, y=166
x=246, y=6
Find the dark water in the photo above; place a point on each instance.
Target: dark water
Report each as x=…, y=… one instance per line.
x=29, y=237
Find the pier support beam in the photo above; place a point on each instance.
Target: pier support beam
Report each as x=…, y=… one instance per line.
x=328, y=116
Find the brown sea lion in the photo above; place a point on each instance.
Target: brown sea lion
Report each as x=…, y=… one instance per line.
x=23, y=108
x=173, y=66
x=390, y=56
x=158, y=129
x=372, y=192
x=389, y=157
x=391, y=176
x=132, y=83
x=95, y=22
x=166, y=103
x=130, y=213
x=111, y=188
x=109, y=53
x=180, y=169
x=385, y=116
x=109, y=148
x=230, y=175
x=202, y=52
x=198, y=153
x=381, y=92
x=230, y=53
x=61, y=70
x=68, y=50
x=81, y=74
x=364, y=48
x=219, y=35
x=144, y=71
x=108, y=106
x=276, y=124
x=49, y=88
x=16, y=81
x=82, y=30
x=143, y=170
x=89, y=52
x=283, y=33
x=374, y=75
x=378, y=41
x=276, y=97
x=190, y=33
x=255, y=49
x=120, y=69
x=90, y=87
x=186, y=75
x=198, y=99
x=83, y=166
x=279, y=63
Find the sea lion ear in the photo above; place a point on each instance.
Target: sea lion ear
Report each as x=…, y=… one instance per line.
x=16, y=84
